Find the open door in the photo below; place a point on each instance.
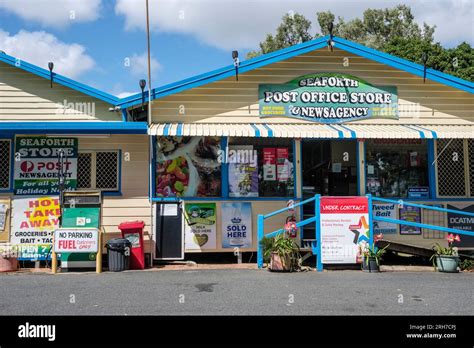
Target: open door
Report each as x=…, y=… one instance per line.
x=169, y=231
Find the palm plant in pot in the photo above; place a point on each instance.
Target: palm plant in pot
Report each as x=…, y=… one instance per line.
x=372, y=255
x=446, y=259
x=281, y=253
x=8, y=258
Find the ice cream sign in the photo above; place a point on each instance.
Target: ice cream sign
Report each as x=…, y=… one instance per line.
x=328, y=98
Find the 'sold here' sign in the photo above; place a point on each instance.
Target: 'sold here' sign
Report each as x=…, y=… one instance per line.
x=76, y=240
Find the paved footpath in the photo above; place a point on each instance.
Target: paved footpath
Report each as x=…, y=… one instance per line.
x=237, y=292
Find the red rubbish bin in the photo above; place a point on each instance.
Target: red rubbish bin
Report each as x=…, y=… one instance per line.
x=133, y=231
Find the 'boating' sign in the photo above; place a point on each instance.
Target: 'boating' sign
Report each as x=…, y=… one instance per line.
x=328, y=98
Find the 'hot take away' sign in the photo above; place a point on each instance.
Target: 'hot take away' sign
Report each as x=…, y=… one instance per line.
x=328, y=98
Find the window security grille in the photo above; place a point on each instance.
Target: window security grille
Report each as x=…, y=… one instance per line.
x=98, y=170
x=450, y=168
x=5, y=146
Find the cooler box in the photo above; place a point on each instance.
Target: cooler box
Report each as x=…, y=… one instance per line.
x=79, y=217
x=133, y=231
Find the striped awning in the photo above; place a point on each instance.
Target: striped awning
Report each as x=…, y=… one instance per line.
x=309, y=130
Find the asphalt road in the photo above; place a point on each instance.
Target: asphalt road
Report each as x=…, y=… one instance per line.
x=237, y=292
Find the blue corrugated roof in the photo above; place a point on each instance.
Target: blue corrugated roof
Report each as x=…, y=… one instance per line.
x=295, y=50
x=62, y=80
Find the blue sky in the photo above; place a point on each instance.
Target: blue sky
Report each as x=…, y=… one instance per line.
x=102, y=42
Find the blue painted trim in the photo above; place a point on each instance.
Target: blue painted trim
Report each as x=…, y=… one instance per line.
x=260, y=235
x=353, y=133
x=223, y=199
x=317, y=212
x=225, y=169
x=124, y=115
x=152, y=185
x=403, y=64
x=270, y=131
x=433, y=133
x=339, y=132
x=371, y=230
x=364, y=163
x=293, y=51
x=228, y=71
x=257, y=131
x=59, y=79
x=429, y=200
x=179, y=129
x=112, y=193
x=74, y=127
x=431, y=168
x=295, y=193
x=422, y=134
x=166, y=129
x=358, y=156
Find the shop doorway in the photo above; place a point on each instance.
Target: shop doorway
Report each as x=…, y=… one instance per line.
x=329, y=167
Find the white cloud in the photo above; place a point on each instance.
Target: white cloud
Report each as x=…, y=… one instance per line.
x=125, y=94
x=39, y=48
x=54, y=13
x=230, y=24
x=139, y=65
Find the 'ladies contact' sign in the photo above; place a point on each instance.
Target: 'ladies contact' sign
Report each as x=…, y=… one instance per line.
x=328, y=98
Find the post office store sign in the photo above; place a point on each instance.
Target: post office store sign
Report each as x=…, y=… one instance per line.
x=328, y=98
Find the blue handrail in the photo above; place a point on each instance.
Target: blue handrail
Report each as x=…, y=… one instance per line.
x=315, y=220
x=261, y=220
x=402, y=202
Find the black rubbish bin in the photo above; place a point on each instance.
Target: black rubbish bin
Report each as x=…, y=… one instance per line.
x=118, y=254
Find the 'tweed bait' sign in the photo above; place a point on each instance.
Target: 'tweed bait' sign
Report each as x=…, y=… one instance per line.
x=328, y=98
x=37, y=166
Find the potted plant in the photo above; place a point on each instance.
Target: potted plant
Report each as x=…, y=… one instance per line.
x=371, y=255
x=281, y=253
x=446, y=259
x=8, y=258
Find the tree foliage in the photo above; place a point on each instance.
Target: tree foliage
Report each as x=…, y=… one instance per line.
x=391, y=30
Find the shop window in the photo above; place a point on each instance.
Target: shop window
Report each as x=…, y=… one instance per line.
x=5, y=152
x=188, y=167
x=98, y=170
x=450, y=167
x=395, y=165
x=261, y=167
x=471, y=165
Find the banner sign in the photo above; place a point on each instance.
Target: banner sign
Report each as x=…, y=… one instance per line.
x=77, y=240
x=388, y=211
x=411, y=214
x=36, y=164
x=269, y=164
x=236, y=225
x=462, y=222
x=34, y=220
x=200, y=229
x=243, y=171
x=328, y=98
x=344, y=226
